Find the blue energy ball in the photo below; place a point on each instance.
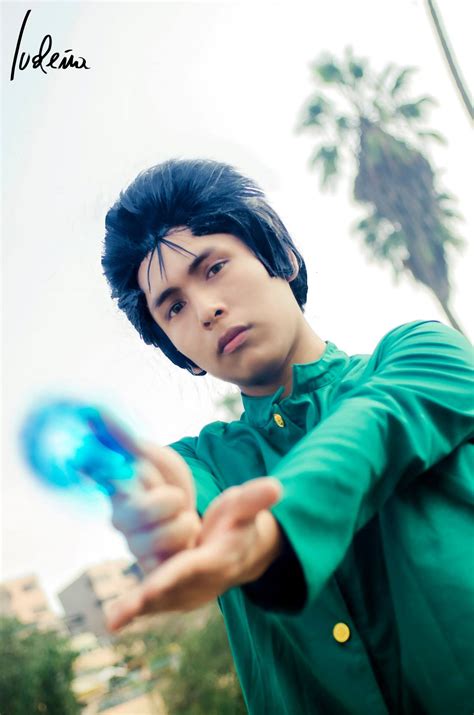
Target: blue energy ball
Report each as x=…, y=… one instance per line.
x=68, y=444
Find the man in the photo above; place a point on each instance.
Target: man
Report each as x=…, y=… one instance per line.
x=333, y=520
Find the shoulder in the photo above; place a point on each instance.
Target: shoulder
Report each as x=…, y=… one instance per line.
x=192, y=445
x=422, y=339
x=419, y=330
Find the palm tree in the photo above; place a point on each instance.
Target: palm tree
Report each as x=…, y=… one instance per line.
x=372, y=123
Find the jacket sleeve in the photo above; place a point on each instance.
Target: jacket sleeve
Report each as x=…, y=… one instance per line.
x=207, y=487
x=412, y=407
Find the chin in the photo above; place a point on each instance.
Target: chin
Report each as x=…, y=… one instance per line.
x=261, y=372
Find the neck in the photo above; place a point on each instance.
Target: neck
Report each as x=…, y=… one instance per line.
x=308, y=348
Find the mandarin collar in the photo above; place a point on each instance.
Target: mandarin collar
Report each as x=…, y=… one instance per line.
x=307, y=377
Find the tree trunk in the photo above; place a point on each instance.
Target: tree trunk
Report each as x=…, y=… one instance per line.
x=449, y=56
x=450, y=316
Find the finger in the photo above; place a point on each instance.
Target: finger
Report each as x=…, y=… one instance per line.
x=149, y=564
x=123, y=610
x=172, y=467
x=120, y=433
x=147, y=509
x=175, y=469
x=242, y=503
x=145, y=477
x=175, y=534
x=175, y=585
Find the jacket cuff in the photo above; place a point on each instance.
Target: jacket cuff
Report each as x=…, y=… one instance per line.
x=283, y=586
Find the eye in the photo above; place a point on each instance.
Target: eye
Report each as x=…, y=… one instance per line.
x=216, y=268
x=178, y=306
x=172, y=312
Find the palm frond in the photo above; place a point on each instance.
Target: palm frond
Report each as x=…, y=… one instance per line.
x=381, y=80
x=326, y=159
x=444, y=196
x=401, y=80
x=357, y=70
x=329, y=72
x=343, y=125
x=414, y=110
x=383, y=112
x=430, y=134
x=316, y=112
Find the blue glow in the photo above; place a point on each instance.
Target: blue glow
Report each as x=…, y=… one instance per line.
x=72, y=445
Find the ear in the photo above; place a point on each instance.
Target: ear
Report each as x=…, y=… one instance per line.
x=295, y=264
x=197, y=371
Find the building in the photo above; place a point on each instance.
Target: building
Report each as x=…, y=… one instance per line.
x=85, y=598
x=104, y=684
x=24, y=599
x=95, y=664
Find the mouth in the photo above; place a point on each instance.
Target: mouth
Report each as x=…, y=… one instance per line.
x=231, y=339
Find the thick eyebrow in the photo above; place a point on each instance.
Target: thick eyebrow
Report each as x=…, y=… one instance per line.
x=192, y=269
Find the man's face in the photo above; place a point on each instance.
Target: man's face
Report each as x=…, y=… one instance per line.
x=226, y=314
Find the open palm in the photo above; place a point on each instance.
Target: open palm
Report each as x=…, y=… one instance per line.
x=238, y=541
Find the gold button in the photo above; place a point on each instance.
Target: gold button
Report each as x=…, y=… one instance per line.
x=341, y=632
x=279, y=420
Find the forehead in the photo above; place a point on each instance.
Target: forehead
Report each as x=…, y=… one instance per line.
x=176, y=262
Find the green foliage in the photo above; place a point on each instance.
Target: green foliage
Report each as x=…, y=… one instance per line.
x=362, y=97
x=342, y=124
x=368, y=120
x=329, y=72
x=190, y=661
x=414, y=110
x=401, y=79
x=315, y=110
x=35, y=671
x=356, y=69
x=328, y=157
x=430, y=134
x=383, y=242
x=206, y=682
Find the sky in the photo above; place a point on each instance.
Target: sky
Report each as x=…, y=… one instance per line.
x=221, y=80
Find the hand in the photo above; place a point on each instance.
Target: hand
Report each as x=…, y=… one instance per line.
x=157, y=516
x=238, y=542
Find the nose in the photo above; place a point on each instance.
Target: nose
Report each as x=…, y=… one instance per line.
x=208, y=308
x=210, y=315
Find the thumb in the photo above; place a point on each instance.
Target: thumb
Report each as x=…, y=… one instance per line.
x=241, y=504
x=123, y=610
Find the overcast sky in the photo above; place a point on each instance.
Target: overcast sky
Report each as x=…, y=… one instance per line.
x=221, y=80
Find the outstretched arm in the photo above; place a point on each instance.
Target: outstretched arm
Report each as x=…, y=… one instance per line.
x=414, y=407
x=238, y=542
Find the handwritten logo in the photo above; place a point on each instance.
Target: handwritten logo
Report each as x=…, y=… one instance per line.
x=39, y=60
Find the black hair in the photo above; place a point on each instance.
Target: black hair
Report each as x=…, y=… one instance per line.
x=206, y=197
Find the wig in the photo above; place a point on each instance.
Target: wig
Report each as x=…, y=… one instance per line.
x=206, y=197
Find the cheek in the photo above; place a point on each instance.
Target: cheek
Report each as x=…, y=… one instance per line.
x=179, y=337
x=183, y=337
x=254, y=284
x=263, y=292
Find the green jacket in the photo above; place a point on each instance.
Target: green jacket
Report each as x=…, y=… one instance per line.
x=376, y=457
